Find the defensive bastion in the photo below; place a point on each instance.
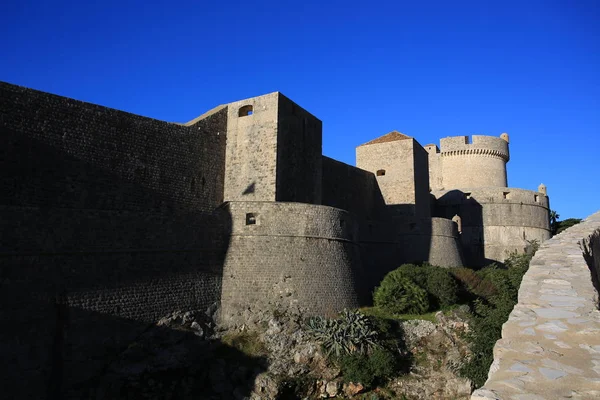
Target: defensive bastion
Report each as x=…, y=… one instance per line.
x=113, y=220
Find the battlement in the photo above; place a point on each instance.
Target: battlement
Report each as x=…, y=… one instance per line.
x=479, y=145
x=492, y=195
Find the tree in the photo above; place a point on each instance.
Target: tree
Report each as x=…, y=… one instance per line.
x=567, y=223
x=554, y=222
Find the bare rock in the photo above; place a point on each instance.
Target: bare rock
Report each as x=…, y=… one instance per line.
x=352, y=389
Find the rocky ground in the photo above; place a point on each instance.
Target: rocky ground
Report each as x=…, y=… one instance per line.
x=269, y=355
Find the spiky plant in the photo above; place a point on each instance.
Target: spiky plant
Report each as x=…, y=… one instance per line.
x=352, y=332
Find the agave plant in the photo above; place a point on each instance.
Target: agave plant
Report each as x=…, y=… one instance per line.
x=351, y=332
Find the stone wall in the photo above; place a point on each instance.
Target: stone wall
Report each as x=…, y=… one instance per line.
x=299, y=154
x=291, y=254
x=550, y=346
x=351, y=189
x=495, y=221
x=107, y=224
x=251, y=162
x=401, y=169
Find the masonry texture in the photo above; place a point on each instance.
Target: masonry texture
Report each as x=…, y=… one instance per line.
x=550, y=346
x=107, y=214
x=111, y=221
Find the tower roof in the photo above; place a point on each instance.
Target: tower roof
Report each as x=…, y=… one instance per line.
x=388, y=137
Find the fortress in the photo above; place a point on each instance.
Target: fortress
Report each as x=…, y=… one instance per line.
x=122, y=219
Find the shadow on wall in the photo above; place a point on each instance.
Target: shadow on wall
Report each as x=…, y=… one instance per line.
x=89, y=258
x=472, y=237
x=591, y=253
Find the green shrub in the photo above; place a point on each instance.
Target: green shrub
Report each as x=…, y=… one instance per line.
x=368, y=369
x=473, y=285
x=441, y=287
x=351, y=333
x=398, y=294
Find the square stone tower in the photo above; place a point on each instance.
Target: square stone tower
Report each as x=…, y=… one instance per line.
x=273, y=151
x=400, y=166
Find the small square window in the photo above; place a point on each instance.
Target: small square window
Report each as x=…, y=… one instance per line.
x=250, y=219
x=381, y=172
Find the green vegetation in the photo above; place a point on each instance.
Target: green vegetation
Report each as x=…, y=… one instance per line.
x=364, y=348
x=557, y=226
x=366, y=344
x=380, y=314
x=496, y=296
x=440, y=287
x=398, y=294
x=491, y=293
x=368, y=369
x=567, y=223
x=351, y=333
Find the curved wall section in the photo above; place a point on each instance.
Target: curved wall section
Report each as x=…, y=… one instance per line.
x=550, y=346
x=481, y=163
x=290, y=254
x=445, y=245
x=495, y=221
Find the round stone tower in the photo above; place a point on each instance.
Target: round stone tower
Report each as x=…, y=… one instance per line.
x=477, y=163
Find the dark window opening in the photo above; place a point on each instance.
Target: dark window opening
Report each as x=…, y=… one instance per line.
x=381, y=172
x=505, y=195
x=245, y=111
x=250, y=219
x=468, y=195
x=342, y=223
x=536, y=198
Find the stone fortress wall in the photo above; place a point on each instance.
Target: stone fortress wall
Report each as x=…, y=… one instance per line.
x=495, y=221
x=108, y=223
x=121, y=219
x=550, y=346
x=469, y=182
x=291, y=254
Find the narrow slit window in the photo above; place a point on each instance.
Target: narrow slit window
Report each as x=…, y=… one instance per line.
x=250, y=219
x=245, y=111
x=380, y=172
x=536, y=198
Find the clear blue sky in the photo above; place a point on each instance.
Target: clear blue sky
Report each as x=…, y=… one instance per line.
x=429, y=69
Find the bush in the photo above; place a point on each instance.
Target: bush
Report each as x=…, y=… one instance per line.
x=368, y=369
x=441, y=287
x=351, y=333
x=473, y=285
x=398, y=294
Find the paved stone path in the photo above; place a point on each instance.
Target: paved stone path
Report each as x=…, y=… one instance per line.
x=550, y=346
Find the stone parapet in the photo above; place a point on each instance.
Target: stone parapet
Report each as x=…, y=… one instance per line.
x=550, y=346
x=480, y=144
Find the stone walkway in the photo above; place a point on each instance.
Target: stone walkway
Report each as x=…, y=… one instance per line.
x=550, y=346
